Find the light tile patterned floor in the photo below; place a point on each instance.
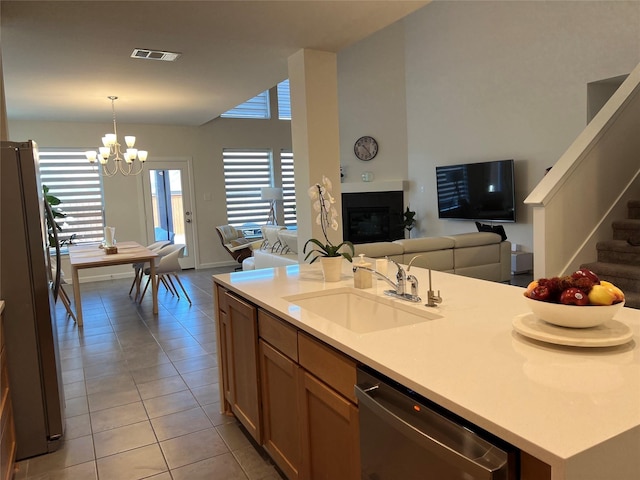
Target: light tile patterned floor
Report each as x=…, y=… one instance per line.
x=142, y=393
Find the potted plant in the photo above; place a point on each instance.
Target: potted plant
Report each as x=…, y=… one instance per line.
x=409, y=220
x=329, y=253
x=53, y=202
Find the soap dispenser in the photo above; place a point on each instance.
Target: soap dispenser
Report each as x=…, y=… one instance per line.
x=362, y=278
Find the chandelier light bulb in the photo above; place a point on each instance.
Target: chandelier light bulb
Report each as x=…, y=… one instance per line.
x=111, y=139
x=92, y=156
x=111, y=150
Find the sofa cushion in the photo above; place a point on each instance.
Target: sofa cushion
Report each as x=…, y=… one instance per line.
x=270, y=235
x=425, y=244
x=289, y=240
x=474, y=239
x=475, y=256
x=441, y=260
x=238, y=243
x=380, y=250
x=266, y=259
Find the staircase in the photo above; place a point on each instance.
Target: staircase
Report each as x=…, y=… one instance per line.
x=618, y=260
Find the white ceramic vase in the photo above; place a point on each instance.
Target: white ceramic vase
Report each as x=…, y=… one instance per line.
x=331, y=268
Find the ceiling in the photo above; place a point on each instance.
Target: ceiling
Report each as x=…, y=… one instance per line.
x=62, y=59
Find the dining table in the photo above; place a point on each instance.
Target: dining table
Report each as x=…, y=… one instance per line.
x=91, y=256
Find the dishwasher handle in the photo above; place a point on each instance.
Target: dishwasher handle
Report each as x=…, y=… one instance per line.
x=489, y=466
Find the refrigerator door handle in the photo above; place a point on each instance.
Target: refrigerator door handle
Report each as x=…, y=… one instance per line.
x=52, y=224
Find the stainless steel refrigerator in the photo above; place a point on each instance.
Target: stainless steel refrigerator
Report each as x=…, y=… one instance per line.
x=27, y=288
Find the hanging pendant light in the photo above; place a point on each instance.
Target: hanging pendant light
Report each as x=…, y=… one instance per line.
x=111, y=156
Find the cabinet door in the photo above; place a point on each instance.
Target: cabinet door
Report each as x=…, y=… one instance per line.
x=280, y=418
x=225, y=359
x=241, y=338
x=330, y=442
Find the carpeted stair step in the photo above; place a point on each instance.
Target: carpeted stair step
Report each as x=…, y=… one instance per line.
x=632, y=300
x=633, y=207
x=618, y=251
x=625, y=277
x=626, y=229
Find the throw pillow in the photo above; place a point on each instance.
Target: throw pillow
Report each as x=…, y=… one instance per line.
x=499, y=229
x=290, y=239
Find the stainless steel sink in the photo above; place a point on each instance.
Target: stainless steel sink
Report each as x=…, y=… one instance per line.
x=358, y=310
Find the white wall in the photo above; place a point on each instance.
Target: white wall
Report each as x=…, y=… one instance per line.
x=372, y=101
x=203, y=144
x=483, y=81
x=453, y=82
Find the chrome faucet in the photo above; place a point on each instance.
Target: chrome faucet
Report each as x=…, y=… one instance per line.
x=411, y=279
x=432, y=299
x=399, y=287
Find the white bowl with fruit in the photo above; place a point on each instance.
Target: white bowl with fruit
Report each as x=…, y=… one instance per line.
x=580, y=300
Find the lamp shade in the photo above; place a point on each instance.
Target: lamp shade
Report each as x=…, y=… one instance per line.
x=271, y=193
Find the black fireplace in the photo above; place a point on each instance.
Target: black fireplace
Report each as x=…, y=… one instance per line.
x=372, y=216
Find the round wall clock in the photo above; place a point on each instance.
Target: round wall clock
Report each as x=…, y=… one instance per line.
x=365, y=148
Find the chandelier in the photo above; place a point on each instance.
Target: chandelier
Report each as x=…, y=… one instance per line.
x=111, y=156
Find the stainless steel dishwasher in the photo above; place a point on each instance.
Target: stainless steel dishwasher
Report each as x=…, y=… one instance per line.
x=404, y=437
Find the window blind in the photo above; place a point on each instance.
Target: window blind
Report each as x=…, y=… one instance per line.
x=256, y=107
x=78, y=185
x=245, y=173
x=284, y=100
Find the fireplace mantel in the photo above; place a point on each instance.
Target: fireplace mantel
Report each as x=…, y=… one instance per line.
x=381, y=186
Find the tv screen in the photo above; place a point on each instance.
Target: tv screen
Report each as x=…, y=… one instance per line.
x=477, y=191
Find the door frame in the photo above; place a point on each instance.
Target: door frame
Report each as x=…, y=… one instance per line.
x=170, y=163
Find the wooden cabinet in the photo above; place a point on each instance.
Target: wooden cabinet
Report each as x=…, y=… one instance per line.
x=281, y=418
x=310, y=418
x=295, y=394
x=238, y=330
x=330, y=436
x=7, y=427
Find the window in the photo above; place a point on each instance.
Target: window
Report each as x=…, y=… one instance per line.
x=245, y=173
x=257, y=107
x=288, y=189
x=78, y=185
x=284, y=100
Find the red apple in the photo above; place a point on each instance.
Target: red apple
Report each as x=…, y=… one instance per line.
x=574, y=296
x=541, y=293
x=585, y=272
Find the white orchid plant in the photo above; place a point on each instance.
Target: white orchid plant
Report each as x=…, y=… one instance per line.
x=323, y=204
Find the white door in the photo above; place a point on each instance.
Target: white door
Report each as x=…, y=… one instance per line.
x=167, y=186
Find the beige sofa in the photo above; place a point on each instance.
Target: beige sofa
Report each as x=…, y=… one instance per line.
x=278, y=248
x=477, y=254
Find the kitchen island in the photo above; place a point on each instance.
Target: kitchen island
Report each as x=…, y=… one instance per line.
x=576, y=410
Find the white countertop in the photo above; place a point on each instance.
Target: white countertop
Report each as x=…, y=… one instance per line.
x=575, y=408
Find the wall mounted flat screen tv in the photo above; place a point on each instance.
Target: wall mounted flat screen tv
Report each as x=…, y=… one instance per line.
x=477, y=191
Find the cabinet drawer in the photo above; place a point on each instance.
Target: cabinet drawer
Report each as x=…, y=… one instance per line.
x=332, y=367
x=220, y=297
x=279, y=334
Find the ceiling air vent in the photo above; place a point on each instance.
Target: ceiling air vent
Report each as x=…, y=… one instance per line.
x=154, y=55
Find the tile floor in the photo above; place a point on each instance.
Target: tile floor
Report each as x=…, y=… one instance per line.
x=142, y=398
x=142, y=392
